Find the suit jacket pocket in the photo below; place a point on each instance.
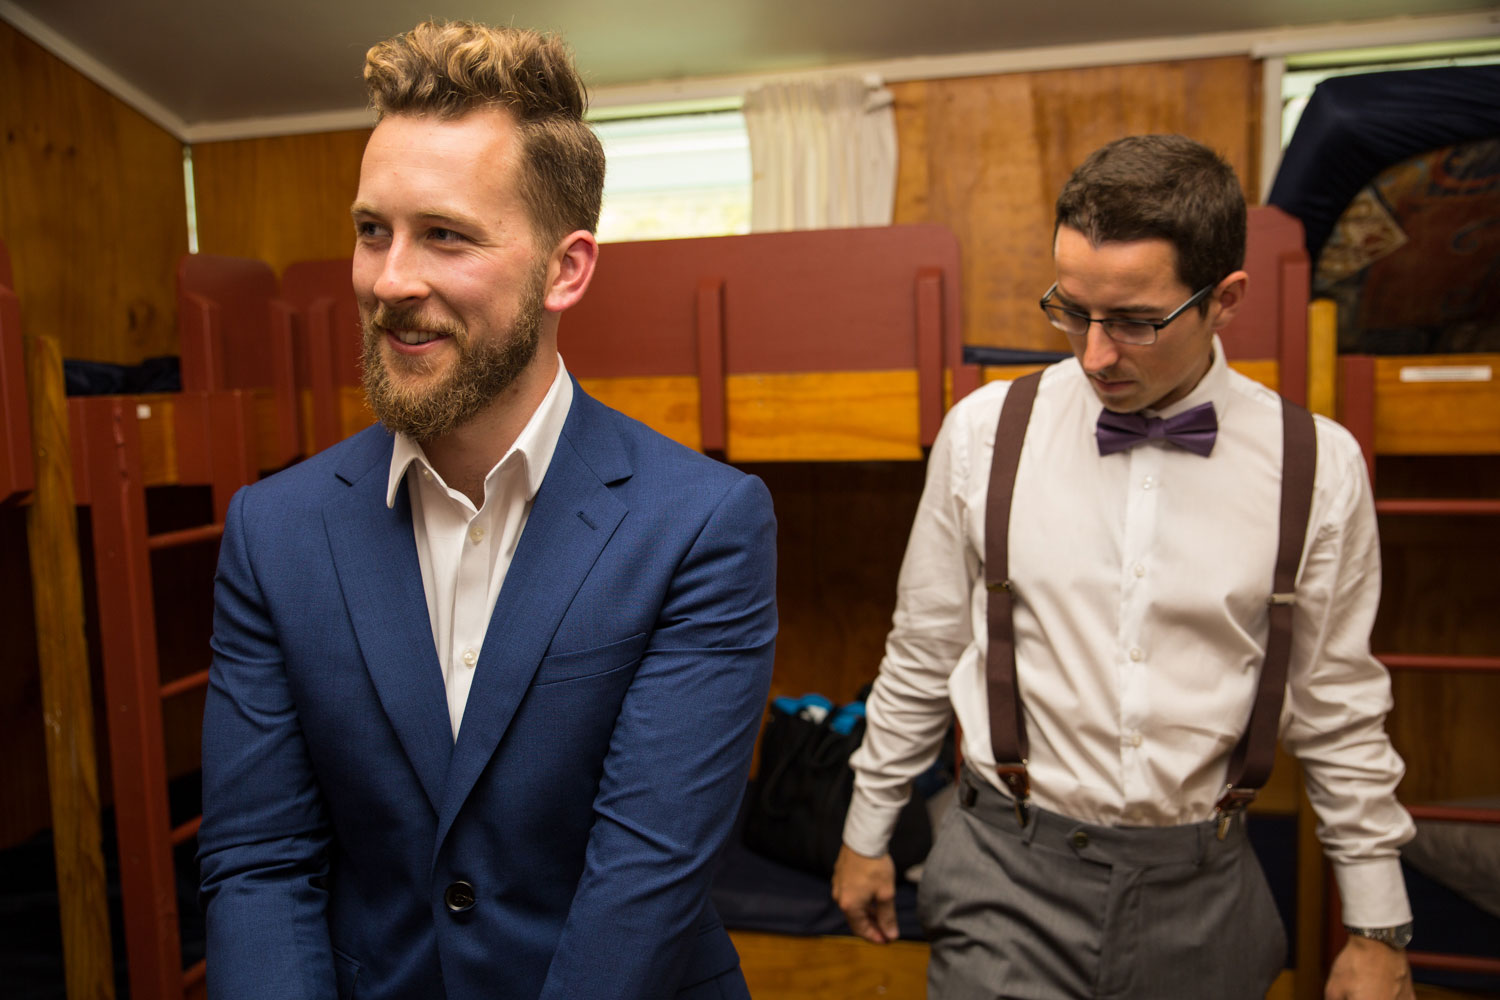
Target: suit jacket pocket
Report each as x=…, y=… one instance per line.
x=346, y=971
x=588, y=662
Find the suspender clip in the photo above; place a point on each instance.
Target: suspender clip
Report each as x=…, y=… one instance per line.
x=998, y=585
x=1278, y=599
x=1233, y=802
x=1016, y=780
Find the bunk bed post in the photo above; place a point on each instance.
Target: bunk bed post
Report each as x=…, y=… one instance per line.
x=284, y=383
x=67, y=696
x=318, y=340
x=16, y=474
x=710, y=328
x=127, y=640
x=1356, y=404
x=929, y=309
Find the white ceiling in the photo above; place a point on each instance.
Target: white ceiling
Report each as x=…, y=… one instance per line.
x=194, y=63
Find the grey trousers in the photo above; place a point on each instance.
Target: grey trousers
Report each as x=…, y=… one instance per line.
x=1062, y=909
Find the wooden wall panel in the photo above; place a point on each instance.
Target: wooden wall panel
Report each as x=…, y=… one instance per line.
x=842, y=530
x=987, y=156
x=92, y=208
x=280, y=199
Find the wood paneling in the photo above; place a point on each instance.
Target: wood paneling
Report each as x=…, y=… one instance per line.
x=841, y=533
x=281, y=199
x=988, y=155
x=778, y=967
x=92, y=207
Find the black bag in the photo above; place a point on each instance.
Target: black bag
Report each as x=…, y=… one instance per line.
x=797, y=807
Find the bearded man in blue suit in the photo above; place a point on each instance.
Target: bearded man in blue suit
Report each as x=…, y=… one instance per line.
x=487, y=676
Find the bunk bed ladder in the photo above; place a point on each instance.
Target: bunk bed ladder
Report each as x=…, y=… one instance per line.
x=1357, y=413
x=210, y=443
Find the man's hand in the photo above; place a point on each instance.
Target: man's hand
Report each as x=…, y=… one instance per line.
x=865, y=889
x=1369, y=970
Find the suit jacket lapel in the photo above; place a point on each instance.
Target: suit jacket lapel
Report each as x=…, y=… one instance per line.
x=375, y=556
x=572, y=518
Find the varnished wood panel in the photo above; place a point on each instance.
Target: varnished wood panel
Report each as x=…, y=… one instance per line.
x=668, y=404
x=988, y=155
x=279, y=199
x=841, y=533
x=1453, y=418
x=823, y=416
x=779, y=967
x=92, y=208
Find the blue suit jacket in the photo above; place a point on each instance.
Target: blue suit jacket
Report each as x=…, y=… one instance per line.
x=596, y=773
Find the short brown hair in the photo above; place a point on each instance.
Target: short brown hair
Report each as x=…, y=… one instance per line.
x=450, y=68
x=1163, y=187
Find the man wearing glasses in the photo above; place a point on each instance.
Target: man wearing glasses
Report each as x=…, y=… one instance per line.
x=1104, y=858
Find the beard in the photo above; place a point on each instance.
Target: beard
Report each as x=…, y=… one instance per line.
x=483, y=370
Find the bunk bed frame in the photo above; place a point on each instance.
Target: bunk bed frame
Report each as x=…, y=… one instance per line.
x=752, y=347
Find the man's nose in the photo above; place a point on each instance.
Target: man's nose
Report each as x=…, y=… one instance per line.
x=1099, y=352
x=401, y=275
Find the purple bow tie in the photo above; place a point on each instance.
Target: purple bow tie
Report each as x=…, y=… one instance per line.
x=1193, y=429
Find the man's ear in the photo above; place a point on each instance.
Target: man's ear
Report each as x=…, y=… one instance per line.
x=570, y=270
x=1228, y=296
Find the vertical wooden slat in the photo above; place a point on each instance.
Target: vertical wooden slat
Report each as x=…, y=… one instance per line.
x=67, y=698
x=929, y=309
x=127, y=637
x=1322, y=357
x=15, y=439
x=711, y=398
x=1356, y=403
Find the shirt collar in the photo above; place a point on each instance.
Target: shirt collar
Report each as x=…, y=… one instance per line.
x=535, y=444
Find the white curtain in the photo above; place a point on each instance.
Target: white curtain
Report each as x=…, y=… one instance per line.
x=822, y=154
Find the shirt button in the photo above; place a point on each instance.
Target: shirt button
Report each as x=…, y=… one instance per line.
x=1146, y=483
x=476, y=534
x=1140, y=570
x=471, y=657
x=1134, y=739
x=1136, y=655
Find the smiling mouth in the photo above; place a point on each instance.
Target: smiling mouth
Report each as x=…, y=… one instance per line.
x=414, y=338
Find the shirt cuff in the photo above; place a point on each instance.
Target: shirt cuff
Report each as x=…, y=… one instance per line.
x=1373, y=893
x=869, y=824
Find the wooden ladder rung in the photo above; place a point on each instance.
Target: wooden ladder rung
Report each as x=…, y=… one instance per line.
x=1455, y=814
x=1430, y=661
x=187, y=536
x=187, y=831
x=1480, y=507
x=1454, y=963
x=181, y=685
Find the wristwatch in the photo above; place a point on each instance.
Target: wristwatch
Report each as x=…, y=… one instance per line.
x=1395, y=937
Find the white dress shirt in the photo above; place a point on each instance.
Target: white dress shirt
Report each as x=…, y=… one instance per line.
x=466, y=553
x=1141, y=581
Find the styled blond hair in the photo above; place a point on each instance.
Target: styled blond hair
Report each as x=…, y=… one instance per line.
x=450, y=68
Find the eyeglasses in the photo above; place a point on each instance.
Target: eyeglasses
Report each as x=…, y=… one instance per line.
x=1121, y=331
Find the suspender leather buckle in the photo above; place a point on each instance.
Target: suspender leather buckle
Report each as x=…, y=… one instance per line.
x=1231, y=804
x=1015, y=778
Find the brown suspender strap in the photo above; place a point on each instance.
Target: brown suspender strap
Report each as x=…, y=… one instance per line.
x=1007, y=726
x=1250, y=763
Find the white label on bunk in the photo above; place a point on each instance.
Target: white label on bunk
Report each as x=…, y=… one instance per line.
x=143, y=411
x=1446, y=373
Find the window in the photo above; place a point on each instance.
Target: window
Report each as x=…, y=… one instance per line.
x=675, y=175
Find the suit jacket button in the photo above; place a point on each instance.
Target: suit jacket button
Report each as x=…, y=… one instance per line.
x=459, y=897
